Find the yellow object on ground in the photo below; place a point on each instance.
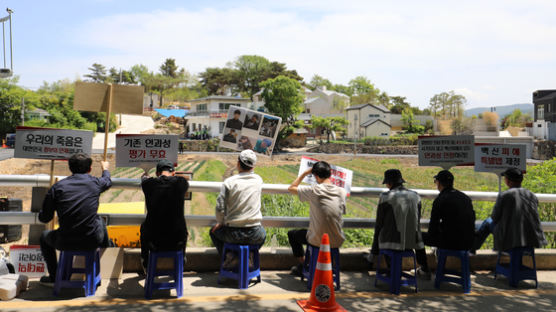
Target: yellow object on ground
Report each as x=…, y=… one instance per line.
x=124, y=235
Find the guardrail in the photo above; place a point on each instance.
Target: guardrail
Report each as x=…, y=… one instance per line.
x=204, y=186
x=16, y=218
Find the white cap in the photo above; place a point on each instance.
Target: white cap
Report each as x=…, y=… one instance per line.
x=248, y=158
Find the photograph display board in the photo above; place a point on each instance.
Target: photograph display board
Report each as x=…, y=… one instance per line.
x=145, y=150
x=341, y=177
x=249, y=129
x=48, y=143
x=446, y=151
x=499, y=157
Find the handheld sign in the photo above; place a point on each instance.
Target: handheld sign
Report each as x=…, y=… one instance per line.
x=53, y=144
x=497, y=158
x=249, y=129
x=28, y=260
x=341, y=177
x=446, y=151
x=145, y=150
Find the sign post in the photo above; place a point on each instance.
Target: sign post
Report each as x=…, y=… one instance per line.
x=496, y=158
x=446, y=151
x=107, y=122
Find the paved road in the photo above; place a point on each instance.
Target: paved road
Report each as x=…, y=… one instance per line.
x=130, y=124
x=279, y=292
x=6, y=153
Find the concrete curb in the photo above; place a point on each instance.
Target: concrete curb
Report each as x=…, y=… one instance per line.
x=206, y=259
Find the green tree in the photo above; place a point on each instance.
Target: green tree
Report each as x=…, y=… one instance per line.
x=218, y=80
x=98, y=73
x=169, y=77
x=169, y=68
x=10, y=105
x=447, y=105
x=318, y=81
x=364, y=92
x=347, y=90
x=516, y=119
x=251, y=71
x=283, y=98
x=276, y=69
x=329, y=124
x=398, y=104
x=411, y=125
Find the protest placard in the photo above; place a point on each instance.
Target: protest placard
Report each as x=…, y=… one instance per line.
x=249, y=129
x=28, y=260
x=341, y=177
x=145, y=150
x=446, y=151
x=53, y=144
x=497, y=158
x=94, y=97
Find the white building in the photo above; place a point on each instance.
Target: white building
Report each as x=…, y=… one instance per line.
x=321, y=102
x=211, y=112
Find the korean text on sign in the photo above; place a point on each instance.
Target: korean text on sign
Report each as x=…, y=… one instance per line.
x=139, y=150
x=499, y=157
x=42, y=143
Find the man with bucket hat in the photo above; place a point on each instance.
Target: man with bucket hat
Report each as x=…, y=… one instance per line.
x=515, y=220
x=398, y=224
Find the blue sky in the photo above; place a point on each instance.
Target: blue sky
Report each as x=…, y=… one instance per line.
x=494, y=52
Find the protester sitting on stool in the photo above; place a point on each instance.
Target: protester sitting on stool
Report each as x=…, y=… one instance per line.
x=75, y=200
x=515, y=220
x=327, y=202
x=452, y=223
x=238, y=209
x=164, y=228
x=398, y=225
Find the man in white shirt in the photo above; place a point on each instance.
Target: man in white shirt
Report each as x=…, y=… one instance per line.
x=238, y=208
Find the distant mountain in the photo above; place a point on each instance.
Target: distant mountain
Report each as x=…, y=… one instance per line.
x=501, y=110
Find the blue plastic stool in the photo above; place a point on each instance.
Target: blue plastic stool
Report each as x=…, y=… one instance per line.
x=516, y=271
x=463, y=278
x=176, y=273
x=65, y=270
x=311, y=258
x=397, y=278
x=242, y=274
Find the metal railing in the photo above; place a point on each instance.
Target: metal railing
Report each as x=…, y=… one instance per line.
x=15, y=218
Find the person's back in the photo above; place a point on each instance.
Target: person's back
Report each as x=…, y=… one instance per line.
x=164, y=227
x=326, y=205
x=243, y=200
x=400, y=222
x=164, y=198
x=517, y=219
x=453, y=210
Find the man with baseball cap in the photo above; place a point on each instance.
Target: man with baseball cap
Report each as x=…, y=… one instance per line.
x=515, y=220
x=164, y=228
x=452, y=223
x=238, y=209
x=398, y=225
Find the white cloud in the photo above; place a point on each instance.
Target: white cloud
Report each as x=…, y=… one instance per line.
x=409, y=48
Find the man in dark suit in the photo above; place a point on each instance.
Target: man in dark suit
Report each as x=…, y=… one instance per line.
x=235, y=123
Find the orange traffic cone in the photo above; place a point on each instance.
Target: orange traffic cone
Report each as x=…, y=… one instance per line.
x=322, y=293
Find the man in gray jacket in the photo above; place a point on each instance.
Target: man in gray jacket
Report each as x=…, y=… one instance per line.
x=238, y=208
x=398, y=221
x=515, y=220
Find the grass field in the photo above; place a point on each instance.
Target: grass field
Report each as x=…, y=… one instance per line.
x=367, y=172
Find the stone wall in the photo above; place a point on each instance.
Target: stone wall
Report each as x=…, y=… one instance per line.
x=544, y=150
x=334, y=148
x=202, y=146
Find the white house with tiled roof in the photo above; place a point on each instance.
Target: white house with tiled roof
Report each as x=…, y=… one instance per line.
x=321, y=101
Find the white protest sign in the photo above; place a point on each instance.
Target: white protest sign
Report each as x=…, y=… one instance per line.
x=145, y=150
x=249, y=129
x=499, y=157
x=28, y=260
x=46, y=143
x=446, y=151
x=341, y=177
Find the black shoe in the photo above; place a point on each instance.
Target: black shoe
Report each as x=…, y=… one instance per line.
x=47, y=281
x=297, y=270
x=369, y=258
